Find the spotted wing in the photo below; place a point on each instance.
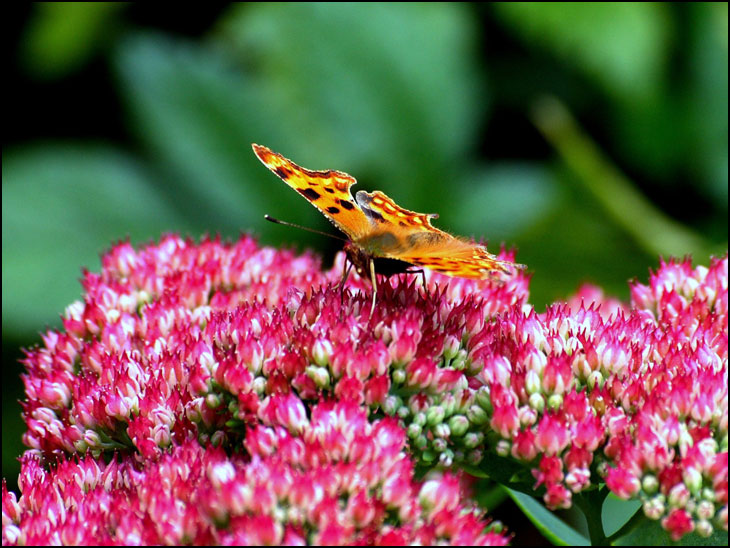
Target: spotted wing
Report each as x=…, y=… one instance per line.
x=328, y=191
x=383, y=211
x=409, y=236
x=459, y=258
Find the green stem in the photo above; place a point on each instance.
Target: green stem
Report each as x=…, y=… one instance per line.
x=651, y=229
x=591, y=504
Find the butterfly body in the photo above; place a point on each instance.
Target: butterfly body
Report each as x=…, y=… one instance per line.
x=379, y=230
x=360, y=257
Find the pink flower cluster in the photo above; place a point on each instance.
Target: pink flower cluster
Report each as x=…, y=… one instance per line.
x=634, y=396
x=181, y=351
x=341, y=480
x=192, y=368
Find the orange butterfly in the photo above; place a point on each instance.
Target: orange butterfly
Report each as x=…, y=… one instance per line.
x=380, y=230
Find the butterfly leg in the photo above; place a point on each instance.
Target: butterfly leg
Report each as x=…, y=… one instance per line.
x=347, y=266
x=375, y=285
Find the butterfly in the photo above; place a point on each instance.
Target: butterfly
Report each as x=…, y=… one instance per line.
x=383, y=237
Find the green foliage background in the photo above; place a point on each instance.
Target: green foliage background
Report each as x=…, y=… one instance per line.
x=593, y=137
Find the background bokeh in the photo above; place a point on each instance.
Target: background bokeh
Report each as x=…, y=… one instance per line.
x=592, y=137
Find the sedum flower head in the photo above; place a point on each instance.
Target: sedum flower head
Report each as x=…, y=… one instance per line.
x=247, y=400
x=342, y=480
x=199, y=395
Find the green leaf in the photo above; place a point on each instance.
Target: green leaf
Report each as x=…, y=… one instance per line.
x=62, y=206
x=506, y=471
x=650, y=533
x=390, y=92
x=616, y=512
x=61, y=36
x=504, y=200
x=387, y=92
x=621, y=45
x=551, y=526
x=199, y=115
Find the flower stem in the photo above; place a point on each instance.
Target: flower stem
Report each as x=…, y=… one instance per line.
x=651, y=229
x=591, y=504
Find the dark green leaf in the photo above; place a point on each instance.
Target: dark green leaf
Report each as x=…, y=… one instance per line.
x=623, y=46
x=388, y=92
x=200, y=115
x=551, y=526
x=504, y=200
x=650, y=533
x=506, y=471
x=61, y=36
x=62, y=206
x=616, y=512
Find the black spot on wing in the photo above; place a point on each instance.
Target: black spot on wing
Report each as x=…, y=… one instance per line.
x=309, y=194
x=330, y=190
x=332, y=209
x=346, y=205
x=282, y=172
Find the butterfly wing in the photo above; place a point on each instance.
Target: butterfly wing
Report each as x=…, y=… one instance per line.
x=455, y=257
x=383, y=211
x=328, y=191
x=381, y=228
x=409, y=236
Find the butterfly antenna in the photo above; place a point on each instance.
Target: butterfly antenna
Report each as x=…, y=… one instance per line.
x=286, y=223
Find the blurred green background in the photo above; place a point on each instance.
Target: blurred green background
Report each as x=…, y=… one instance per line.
x=593, y=137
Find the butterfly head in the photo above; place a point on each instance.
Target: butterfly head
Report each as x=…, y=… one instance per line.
x=359, y=258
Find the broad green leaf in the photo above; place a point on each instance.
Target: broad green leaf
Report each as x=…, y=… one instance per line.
x=390, y=92
x=199, y=116
x=62, y=206
x=551, y=526
x=504, y=199
x=61, y=36
x=506, y=471
x=616, y=512
x=621, y=45
x=650, y=533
